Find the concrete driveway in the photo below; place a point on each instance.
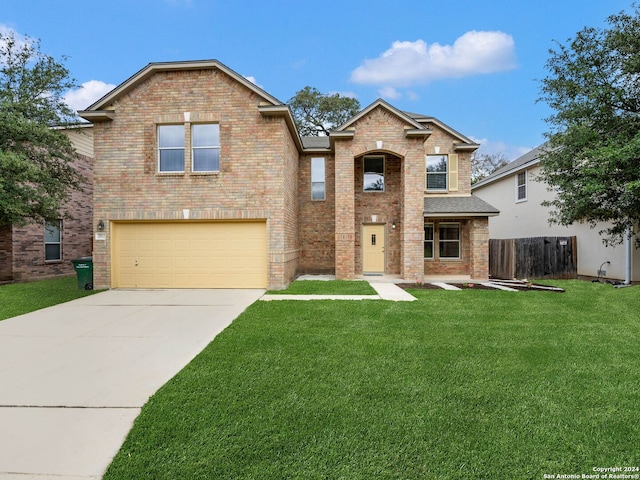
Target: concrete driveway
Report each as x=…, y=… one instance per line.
x=74, y=377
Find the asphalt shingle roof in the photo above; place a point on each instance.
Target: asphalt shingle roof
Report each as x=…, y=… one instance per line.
x=526, y=159
x=471, y=205
x=315, y=142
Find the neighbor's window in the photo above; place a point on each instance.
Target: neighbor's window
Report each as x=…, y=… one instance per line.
x=374, y=174
x=436, y=172
x=171, y=148
x=53, y=241
x=449, y=240
x=205, y=147
x=428, y=240
x=521, y=186
x=317, y=179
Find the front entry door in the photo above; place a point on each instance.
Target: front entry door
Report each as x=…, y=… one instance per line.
x=373, y=249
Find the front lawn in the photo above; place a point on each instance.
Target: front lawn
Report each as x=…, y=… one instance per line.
x=326, y=287
x=19, y=298
x=457, y=385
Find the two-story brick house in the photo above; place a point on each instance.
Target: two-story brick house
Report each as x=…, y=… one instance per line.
x=201, y=180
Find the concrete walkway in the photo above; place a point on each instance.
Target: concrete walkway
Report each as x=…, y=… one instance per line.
x=385, y=291
x=74, y=377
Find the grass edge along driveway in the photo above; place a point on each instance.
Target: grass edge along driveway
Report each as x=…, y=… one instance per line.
x=469, y=384
x=20, y=298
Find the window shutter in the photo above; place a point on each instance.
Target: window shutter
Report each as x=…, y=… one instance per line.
x=453, y=172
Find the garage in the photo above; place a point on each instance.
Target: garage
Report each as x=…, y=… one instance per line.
x=189, y=254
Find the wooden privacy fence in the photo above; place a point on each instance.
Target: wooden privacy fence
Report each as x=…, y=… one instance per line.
x=536, y=257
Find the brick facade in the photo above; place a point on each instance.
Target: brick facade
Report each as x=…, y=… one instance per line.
x=22, y=249
x=258, y=164
x=317, y=219
x=265, y=174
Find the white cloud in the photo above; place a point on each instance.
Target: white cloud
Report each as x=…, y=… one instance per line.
x=88, y=93
x=389, y=93
x=253, y=80
x=407, y=63
x=495, y=147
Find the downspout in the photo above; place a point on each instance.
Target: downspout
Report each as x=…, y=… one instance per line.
x=627, y=244
x=627, y=257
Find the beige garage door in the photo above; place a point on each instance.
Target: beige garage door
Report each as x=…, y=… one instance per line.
x=189, y=255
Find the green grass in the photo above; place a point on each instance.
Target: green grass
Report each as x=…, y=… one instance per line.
x=19, y=298
x=471, y=384
x=326, y=287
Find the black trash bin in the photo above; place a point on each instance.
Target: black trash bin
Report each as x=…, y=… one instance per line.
x=84, y=270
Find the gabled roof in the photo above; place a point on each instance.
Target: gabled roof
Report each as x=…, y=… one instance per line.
x=416, y=125
x=527, y=160
x=465, y=143
x=100, y=110
x=470, y=206
x=103, y=108
x=380, y=103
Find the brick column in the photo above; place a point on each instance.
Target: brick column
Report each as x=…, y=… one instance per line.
x=479, y=239
x=413, y=176
x=344, y=211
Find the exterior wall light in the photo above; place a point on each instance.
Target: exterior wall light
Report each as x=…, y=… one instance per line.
x=100, y=226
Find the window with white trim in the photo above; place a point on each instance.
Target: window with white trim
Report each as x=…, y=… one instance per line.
x=318, y=189
x=449, y=240
x=428, y=240
x=205, y=147
x=53, y=241
x=521, y=186
x=437, y=170
x=171, y=148
x=373, y=174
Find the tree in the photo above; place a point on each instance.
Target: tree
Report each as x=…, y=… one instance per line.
x=316, y=114
x=592, y=162
x=484, y=164
x=36, y=169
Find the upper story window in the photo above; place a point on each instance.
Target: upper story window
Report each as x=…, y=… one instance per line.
x=205, y=147
x=373, y=174
x=53, y=241
x=318, y=189
x=171, y=148
x=437, y=171
x=521, y=186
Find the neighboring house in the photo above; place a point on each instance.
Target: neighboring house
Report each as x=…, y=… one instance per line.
x=518, y=195
x=39, y=251
x=201, y=180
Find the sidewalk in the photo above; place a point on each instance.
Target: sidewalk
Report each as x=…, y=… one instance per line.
x=385, y=291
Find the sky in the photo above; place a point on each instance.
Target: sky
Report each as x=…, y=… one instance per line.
x=476, y=66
